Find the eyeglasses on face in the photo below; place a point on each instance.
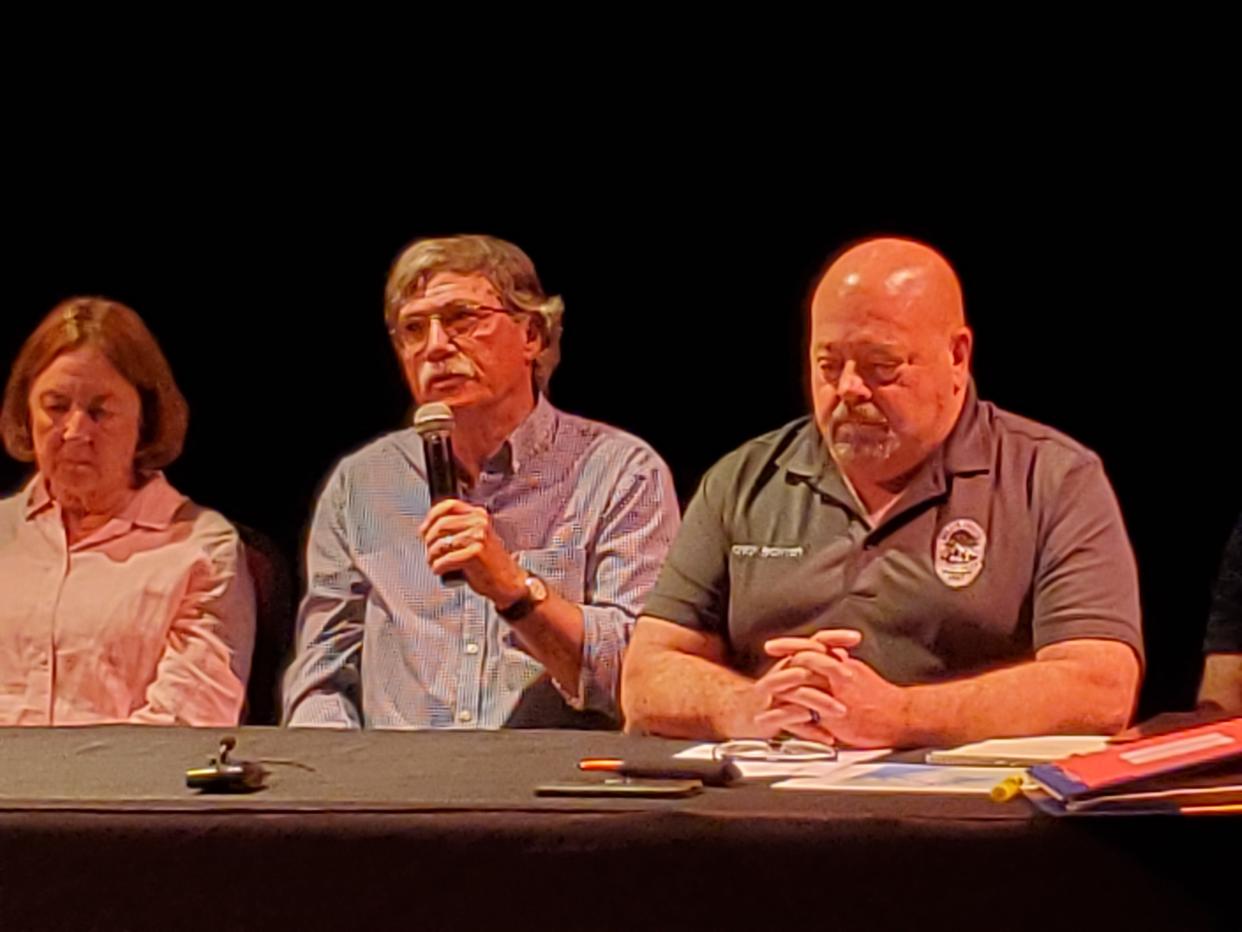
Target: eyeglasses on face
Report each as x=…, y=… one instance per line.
x=457, y=320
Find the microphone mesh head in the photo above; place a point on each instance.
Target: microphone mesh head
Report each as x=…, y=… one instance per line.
x=433, y=417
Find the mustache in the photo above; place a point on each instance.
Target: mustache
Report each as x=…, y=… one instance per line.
x=455, y=366
x=866, y=414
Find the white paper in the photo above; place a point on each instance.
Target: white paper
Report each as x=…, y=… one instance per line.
x=1019, y=752
x=763, y=770
x=904, y=778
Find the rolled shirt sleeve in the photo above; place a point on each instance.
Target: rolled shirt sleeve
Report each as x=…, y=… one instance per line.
x=624, y=561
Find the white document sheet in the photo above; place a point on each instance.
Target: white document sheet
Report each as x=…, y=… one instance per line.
x=763, y=770
x=1019, y=752
x=904, y=778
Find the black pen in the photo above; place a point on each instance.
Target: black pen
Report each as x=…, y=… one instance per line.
x=711, y=773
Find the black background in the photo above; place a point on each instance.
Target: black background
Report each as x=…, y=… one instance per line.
x=1100, y=276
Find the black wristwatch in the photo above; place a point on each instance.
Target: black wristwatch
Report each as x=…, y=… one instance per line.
x=536, y=595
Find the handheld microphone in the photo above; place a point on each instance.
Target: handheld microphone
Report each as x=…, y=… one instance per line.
x=434, y=423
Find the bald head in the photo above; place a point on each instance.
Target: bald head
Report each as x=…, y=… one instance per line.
x=890, y=355
x=910, y=279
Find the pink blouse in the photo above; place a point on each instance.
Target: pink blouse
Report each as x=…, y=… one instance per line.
x=149, y=619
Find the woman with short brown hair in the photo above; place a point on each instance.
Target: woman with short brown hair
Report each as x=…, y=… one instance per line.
x=123, y=601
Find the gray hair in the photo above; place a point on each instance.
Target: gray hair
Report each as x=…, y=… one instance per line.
x=509, y=270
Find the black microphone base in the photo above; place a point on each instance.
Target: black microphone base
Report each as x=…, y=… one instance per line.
x=453, y=578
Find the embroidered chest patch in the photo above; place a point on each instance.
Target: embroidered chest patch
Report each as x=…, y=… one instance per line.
x=960, y=547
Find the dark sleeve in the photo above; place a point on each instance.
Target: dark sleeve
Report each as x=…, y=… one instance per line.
x=1224, y=628
x=1086, y=580
x=693, y=588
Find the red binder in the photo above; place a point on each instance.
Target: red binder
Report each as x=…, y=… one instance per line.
x=1192, y=766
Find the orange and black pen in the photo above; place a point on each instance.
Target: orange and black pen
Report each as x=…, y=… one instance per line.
x=605, y=764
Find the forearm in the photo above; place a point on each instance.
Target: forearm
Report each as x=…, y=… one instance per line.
x=681, y=695
x=553, y=634
x=1039, y=697
x=1222, y=681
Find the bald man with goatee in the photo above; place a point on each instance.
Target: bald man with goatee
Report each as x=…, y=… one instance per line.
x=910, y=566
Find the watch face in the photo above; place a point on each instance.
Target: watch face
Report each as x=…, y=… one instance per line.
x=538, y=591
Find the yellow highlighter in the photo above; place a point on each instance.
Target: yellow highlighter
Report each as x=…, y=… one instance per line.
x=1007, y=789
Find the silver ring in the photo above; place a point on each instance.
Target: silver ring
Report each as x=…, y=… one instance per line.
x=814, y=720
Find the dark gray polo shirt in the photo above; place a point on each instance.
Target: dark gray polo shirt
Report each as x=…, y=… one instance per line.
x=1008, y=539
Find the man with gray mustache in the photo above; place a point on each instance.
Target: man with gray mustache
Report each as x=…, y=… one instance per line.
x=911, y=566
x=557, y=530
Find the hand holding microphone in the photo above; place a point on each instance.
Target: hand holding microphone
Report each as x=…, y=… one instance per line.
x=462, y=545
x=434, y=423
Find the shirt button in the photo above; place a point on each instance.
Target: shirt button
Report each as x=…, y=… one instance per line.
x=472, y=647
x=464, y=715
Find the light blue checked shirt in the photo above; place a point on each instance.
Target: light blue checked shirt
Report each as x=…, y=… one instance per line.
x=382, y=643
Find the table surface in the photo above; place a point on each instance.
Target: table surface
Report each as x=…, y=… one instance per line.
x=97, y=826
x=129, y=767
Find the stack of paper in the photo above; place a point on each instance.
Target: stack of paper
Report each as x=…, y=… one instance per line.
x=1019, y=752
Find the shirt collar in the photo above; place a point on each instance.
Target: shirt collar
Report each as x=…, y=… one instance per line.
x=528, y=440
x=153, y=507
x=807, y=458
x=968, y=448
x=965, y=450
x=37, y=496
